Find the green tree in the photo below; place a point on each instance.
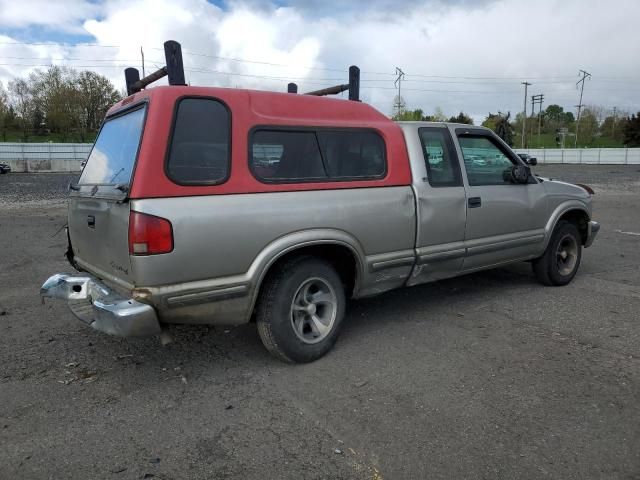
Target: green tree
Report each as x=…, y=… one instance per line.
x=462, y=118
x=499, y=123
x=613, y=126
x=490, y=121
x=632, y=131
x=411, y=115
x=95, y=95
x=4, y=112
x=438, y=115
x=21, y=99
x=56, y=96
x=588, y=127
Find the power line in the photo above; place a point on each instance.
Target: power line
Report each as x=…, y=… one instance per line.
x=119, y=62
x=546, y=79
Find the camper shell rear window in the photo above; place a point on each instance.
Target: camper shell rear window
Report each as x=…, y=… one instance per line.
x=113, y=156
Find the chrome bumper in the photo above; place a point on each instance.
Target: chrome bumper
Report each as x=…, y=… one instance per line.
x=592, y=232
x=101, y=307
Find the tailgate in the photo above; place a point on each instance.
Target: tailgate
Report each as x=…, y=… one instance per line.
x=98, y=206
x=99, y=233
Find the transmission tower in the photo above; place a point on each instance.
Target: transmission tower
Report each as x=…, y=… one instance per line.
x=399, y=104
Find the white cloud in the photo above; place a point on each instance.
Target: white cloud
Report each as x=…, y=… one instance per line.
x=498, y=43
x=60, y=15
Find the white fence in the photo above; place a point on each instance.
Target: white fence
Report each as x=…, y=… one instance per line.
x=67, y=157
x=44, y=157
x=587, y=156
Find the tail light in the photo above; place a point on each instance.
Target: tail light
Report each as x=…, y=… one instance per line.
x=149, y=235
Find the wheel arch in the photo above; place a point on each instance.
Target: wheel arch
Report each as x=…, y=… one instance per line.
x=573, y=211
x=338, y=247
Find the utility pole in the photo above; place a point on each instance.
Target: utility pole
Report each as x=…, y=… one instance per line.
x=537, y=99
x=398, y=83
x=533, y=112
x=613, y=127
x=580, y=82
x=142, y=55
x=524, y=118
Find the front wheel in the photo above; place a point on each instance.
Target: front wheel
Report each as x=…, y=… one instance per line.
x=301, y=309
x=560, y=261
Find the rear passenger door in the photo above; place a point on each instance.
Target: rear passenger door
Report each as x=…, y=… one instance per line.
x=505, y=220
x=441, y=203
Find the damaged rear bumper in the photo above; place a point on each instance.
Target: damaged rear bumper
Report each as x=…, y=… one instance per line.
x=102, y=307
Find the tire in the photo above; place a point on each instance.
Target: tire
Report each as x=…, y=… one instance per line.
x=561, y=260
x=294, y=298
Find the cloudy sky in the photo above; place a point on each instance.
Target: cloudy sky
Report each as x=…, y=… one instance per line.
x=469, y=55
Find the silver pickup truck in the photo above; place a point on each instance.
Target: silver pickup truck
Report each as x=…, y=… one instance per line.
x=226, y=206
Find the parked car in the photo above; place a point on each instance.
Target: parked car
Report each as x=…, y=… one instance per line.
x=528, y=159
x=227, y=206
x=4, y=168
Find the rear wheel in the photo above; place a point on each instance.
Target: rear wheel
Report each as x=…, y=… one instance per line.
x=301, y=309
x=560, y=261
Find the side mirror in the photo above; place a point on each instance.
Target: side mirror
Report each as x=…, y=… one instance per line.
x=517, y=174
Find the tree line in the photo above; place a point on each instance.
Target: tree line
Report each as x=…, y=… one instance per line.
x=58, y=102
x=553, y=127
x=69, y=105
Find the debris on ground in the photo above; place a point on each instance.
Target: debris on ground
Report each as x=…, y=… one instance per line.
x=82, y=375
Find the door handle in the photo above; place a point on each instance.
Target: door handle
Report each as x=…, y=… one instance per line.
x=91, y=221
x=474, y=202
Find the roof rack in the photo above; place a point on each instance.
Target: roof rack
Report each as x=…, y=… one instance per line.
x=174, y=70
x=353, y=86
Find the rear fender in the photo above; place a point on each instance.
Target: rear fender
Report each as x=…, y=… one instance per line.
x=294, y=241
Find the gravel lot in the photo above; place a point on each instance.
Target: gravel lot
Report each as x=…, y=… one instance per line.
x=489, y=375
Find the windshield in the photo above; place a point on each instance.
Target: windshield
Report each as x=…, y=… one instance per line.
x=114, y=153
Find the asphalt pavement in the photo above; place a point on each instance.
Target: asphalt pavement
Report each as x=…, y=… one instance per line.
x=490, y=375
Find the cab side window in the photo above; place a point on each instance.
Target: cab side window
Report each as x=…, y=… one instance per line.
x=278, y=155
x=200, y=150
x=353, y=154
x=486, y=163
x=443, y=169
x=286, y=155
